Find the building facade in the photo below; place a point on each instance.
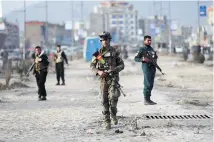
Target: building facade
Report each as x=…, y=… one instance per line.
x=40, y=33
x=119, y=18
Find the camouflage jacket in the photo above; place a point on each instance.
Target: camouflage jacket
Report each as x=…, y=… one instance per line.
x=111, y=58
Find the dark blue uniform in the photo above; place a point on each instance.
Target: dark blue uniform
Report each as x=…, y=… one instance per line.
x=149, y=71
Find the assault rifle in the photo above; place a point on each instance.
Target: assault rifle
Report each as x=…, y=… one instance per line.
x=32, y=66
x=152, y=59
x=113, y=79
x=30, y=69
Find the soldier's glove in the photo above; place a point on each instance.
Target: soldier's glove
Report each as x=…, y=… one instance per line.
x=102, y=74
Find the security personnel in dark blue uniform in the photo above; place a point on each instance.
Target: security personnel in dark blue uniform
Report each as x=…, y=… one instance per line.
x=148, y=68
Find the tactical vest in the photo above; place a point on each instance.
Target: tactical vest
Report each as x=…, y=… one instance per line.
x=59, y=57
x=109, y=58
x=37, y=65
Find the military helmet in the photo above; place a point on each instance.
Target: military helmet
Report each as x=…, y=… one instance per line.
x=105, y=35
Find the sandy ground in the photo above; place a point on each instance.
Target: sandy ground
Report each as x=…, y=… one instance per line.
x=73, y=112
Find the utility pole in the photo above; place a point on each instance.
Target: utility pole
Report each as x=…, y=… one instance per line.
x=161, y=9
x=81, y=3
x=169, y=28
x=46, y=22
x=199, y=29
x=25, y=30
x=153, y=7
x=72, y=22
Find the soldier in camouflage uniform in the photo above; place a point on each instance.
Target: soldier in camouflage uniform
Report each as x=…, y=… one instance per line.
x=109, y=92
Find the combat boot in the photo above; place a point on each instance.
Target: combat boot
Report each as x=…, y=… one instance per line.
x=107, y=120
x=43, y=98
x=39, y=97
x=115, y=120
x=147, y=101
x=151, y=102
x=107, y=125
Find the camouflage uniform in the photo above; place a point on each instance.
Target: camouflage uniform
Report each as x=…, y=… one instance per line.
x=109, y=93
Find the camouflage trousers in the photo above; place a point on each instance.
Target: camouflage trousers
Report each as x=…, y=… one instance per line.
x=109, y=97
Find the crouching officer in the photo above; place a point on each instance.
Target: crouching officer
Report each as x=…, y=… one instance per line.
x=60, y=57
x=108, y=61
x=148, y=68
x=40, y=71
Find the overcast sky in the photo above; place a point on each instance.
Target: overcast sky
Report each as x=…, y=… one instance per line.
x=185, y=12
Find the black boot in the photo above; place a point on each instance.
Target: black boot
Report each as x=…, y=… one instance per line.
x=147, y=101
x=57, y=83
x=63, y=83
x=43, y=98
x=39, y=97
x=153, y=103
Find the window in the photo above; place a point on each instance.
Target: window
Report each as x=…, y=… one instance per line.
x=113, y=22
x=131, y=22
x=120, y=16
x=120, y=22
x=113, y=16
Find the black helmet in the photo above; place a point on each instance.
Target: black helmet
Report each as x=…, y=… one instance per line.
x=105, y=35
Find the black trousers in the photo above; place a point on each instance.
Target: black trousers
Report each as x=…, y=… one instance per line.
x=60, y=71
x=40, y=80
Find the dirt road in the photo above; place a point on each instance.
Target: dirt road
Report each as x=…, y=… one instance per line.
x=73, y=112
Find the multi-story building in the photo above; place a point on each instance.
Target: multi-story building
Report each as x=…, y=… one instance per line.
x=210, y=15
x=119, y=18
x=154, y=25
x=37, y=34
x=210, y=12
x=157, y=27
